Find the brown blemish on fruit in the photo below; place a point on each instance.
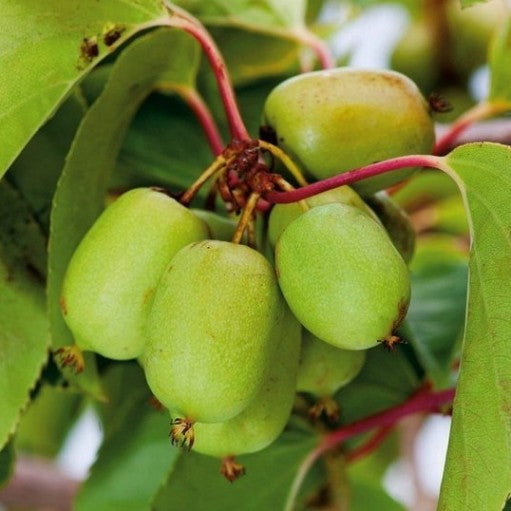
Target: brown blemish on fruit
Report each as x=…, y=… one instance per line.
x=155, y=403
x=148, y=295
x=402, y=309
x=63, y=305
x=231, y=470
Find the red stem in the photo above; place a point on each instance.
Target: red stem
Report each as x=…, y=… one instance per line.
x=370, y=445
x=478, y=112
x=183, y=20
x=206, y=120
x=318, y=46
x=447, y=140
x=353, y=176
x=422, y=401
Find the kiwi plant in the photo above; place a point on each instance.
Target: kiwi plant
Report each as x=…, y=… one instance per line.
x=268, y=294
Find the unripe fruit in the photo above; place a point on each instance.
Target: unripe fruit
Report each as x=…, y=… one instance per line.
x=342, y=277
x=335, y=120
x=415, y=56
x=323, y=368
x=283, y=214
x=265, y=417
x=209, y=330
x=472, y=29
x=111, y=278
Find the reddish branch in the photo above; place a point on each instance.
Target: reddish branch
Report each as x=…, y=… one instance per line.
x=479, y=112
x=369, y=445
x=422, y=402
x=185, y=21
x=353, y=176
x=205, y=118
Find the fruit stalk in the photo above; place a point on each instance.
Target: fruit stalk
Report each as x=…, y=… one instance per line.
x=317, y=45
x=203, y=114
x=422, y=401
x=179, y=18
x=481, y=111
x=353, y=176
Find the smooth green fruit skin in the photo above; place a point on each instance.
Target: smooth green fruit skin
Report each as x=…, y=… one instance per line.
x=283, y=214
x=209, y=330
x=323, y=368
x=336, y=120
x=111, y=278
x=342, y=277
x=396, y=223
x=264, y=419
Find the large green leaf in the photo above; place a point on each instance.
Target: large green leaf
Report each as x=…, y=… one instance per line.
x=387, y=379
x=500, y=65
x=435, y=319
x=36, y=170
x=43, y=54
x=269, y=31
x=265, y=15
x=197, y=484
x=478, y=469
x=136, y=456
x=165, y=54
x=23, y=323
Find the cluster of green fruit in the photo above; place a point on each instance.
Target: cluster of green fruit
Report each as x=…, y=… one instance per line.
x=225, y=334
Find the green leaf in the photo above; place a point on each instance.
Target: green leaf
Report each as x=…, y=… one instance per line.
x=36, y=170
x=387, y=379
x=478, y=468
x=136, y=456
x=168, y=55
x=23, y=323
x=436, y=317
x=7, y=457
x=468, y=3
x=269, y=31
x=265, y=15
x=500, y=65
x=270, y=54
x=43, y=54
x=164, y=146
x=196, y=483
x=43, y=427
